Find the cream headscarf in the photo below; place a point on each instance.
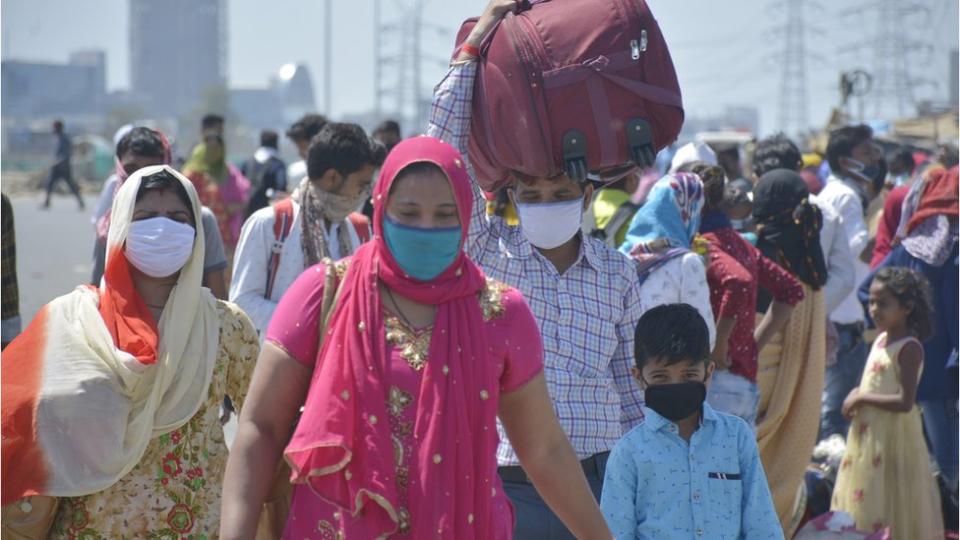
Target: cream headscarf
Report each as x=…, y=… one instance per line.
x=78, y=412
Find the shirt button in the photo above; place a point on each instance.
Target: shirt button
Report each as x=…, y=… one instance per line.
x=696, y=496
x=699, y=532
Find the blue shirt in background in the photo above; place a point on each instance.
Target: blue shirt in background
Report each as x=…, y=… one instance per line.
x=658, y=487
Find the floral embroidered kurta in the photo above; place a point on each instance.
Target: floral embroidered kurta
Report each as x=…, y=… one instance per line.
x=174, y=492
x=515, y=351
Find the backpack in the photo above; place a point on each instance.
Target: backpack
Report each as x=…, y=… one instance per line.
x=608, y=234
x=283, y=222
x=571, y=86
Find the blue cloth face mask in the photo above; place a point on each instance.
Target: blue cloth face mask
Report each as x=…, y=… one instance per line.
x=422, y=253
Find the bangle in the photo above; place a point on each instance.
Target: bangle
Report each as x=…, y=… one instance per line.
x=470, y=49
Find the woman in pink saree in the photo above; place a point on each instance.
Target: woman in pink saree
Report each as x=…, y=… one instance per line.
x=420, y=356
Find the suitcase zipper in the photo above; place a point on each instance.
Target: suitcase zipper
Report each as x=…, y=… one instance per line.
x=638, y=46
x=523, y=48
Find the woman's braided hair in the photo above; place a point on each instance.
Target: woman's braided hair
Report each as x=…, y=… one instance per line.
x=912, y=290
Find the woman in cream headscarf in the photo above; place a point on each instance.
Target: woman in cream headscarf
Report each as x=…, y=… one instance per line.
x=111, y=397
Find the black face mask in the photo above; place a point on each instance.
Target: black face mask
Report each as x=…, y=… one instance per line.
x=676, y=401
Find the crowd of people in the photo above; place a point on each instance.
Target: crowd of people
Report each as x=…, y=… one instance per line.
x=659, y=354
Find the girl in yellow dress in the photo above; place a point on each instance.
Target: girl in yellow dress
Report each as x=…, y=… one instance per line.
x=885, y=478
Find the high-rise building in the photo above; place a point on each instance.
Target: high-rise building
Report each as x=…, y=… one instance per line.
x=178, y=49
x=39, y=89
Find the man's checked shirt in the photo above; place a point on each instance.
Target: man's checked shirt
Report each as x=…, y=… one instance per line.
x=586, y=316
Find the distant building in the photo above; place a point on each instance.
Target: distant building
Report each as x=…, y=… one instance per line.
x=178, y=49
x=33, y=90
x=288, y=96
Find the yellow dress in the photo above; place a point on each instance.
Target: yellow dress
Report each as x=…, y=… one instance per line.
x=885, y=478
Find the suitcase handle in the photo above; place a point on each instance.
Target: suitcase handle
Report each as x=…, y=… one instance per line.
x=575, y=155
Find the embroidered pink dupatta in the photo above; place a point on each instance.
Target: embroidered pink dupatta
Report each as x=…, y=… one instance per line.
x=342, y=446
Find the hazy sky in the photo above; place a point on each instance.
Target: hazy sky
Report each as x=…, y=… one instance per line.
x=725, y=52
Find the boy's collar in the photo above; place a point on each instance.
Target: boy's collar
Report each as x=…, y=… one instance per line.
x=657, y=423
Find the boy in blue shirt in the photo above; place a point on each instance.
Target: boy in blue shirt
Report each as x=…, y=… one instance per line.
x=687, y=471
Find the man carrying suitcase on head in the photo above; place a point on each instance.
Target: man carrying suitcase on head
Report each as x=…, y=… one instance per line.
x=583, y=293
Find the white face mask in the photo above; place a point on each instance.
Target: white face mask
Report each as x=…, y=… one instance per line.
x=550, y=225
x=159, y=247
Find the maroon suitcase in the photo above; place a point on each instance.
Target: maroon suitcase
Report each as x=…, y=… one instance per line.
x=572, y=86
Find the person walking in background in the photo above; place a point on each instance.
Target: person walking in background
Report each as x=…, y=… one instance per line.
x=300, y=134
x=735, y=273
x=318, y=221
x=60, y=170
x=611, y=211
x=266, y=172
x=888, y=224
x=791, y=366
x=854, y=160
x=388, y=134
x=10, y=318
x=221, y=187
x=144, y=147
x=901, y=167
x=127, y=434
x=661, y=237
x=212, y=124
x=885, y=478
x=779, y=152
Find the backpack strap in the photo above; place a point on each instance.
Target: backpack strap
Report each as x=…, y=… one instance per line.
x=361, y=225
x=282, y=223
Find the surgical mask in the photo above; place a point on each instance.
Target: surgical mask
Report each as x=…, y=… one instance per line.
x=550, y=225
x=422, y=254
x=159, y=247
x=675, y=401
x=899, y=179
x=336, y=207
x=869, y=173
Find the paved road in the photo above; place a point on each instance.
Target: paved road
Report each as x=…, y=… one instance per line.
x=54, y=248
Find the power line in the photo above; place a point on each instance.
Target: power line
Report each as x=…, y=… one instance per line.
x=794, y=111
x=400, y=57
x=894, y=49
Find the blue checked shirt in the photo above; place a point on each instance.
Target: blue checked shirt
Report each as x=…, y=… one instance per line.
x=658, y=487
x=586, y=316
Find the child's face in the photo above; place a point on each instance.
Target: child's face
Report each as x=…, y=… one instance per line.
x=656, y=372
x=885, y=310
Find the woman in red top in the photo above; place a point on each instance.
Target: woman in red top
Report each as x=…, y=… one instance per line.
x=735, y=271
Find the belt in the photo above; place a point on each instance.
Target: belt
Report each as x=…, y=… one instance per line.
x=593, y=465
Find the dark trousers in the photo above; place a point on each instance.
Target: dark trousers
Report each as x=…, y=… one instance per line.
x=57, y=173
x=535, y=520
x=842, y=377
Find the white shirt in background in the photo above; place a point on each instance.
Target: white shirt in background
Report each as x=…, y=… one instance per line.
x=836, y=255
x=249, y=283
x=842, y=195
x=296, y=172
